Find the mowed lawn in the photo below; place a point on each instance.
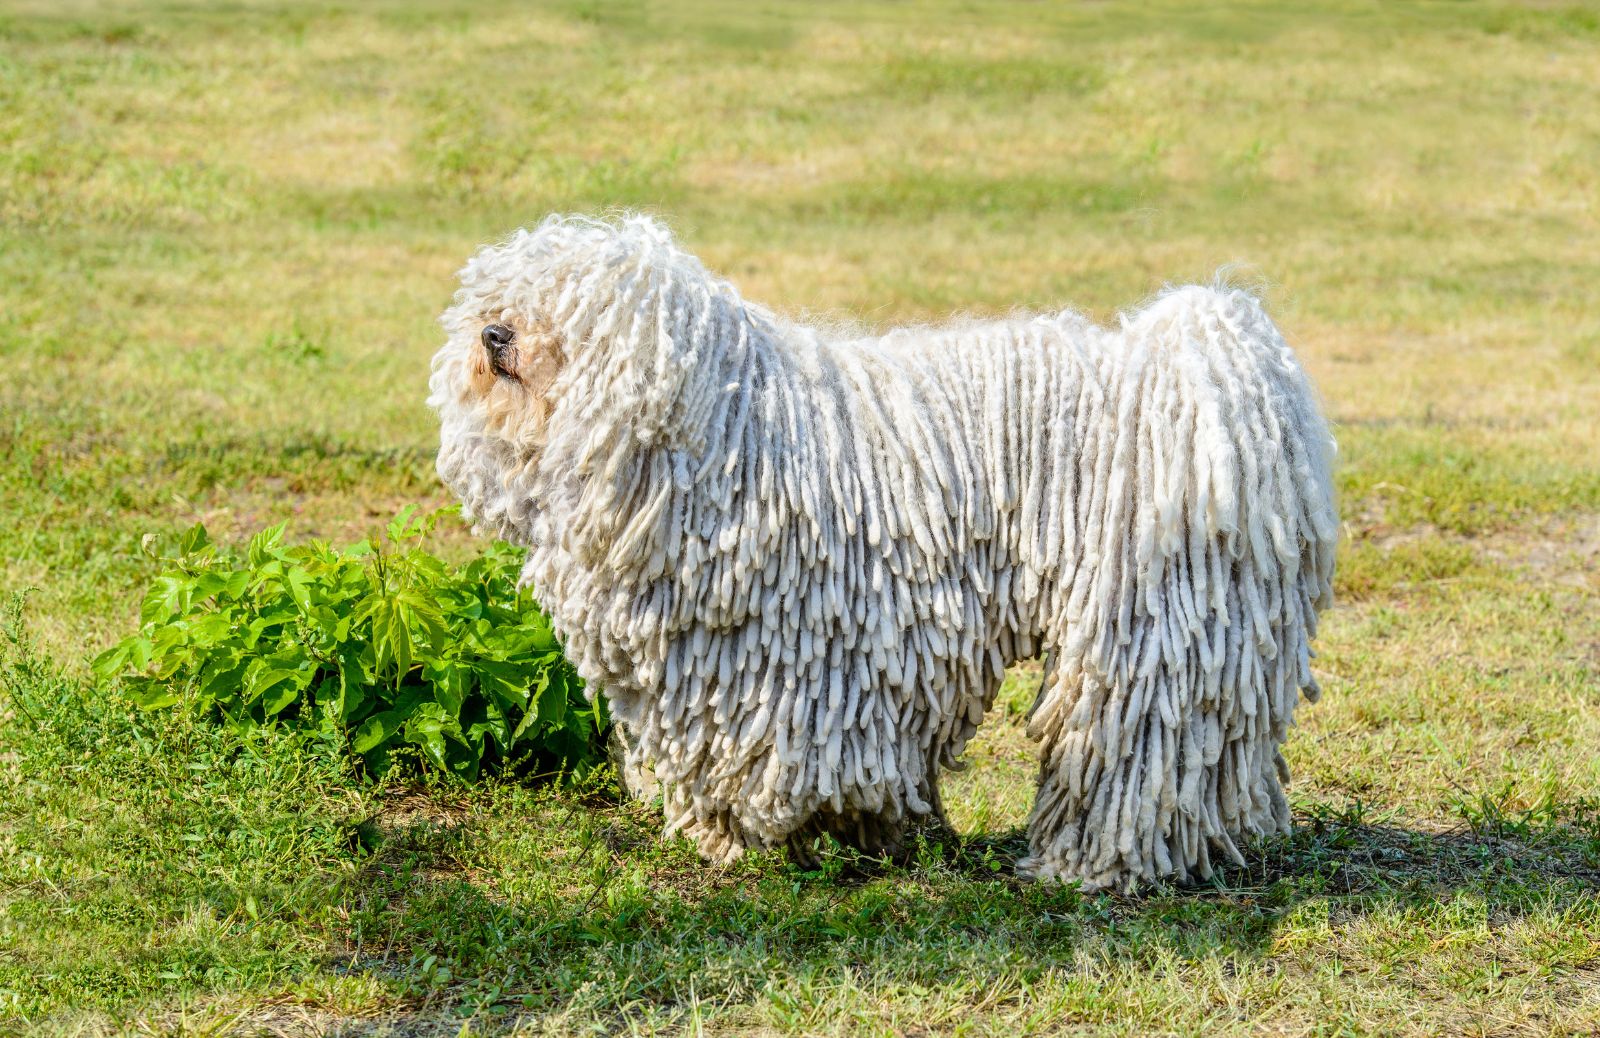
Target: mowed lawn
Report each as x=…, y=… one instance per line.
x=225, y=232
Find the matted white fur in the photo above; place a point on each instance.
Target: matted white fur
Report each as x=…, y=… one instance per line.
x=798, y=566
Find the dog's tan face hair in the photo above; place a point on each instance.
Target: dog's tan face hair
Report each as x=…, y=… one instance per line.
x=511, y=377
x=502, y=363
x=496, y=380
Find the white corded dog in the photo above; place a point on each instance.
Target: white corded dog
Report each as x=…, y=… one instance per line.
x=798, y=565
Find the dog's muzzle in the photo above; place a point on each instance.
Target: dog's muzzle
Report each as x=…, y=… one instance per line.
x=498, y=341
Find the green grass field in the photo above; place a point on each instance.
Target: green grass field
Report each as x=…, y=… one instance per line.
x=225, y=232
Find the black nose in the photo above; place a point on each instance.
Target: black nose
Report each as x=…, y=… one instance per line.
x=497, y=337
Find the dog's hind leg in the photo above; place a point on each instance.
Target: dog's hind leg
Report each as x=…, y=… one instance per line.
x=1107, y=786
x=1212, y=530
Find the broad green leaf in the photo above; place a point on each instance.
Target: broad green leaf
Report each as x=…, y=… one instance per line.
x=368, y=734
x=449, y=679
x=237, y=584
x=553, y=698
x=275, y=698
x=112, y=662
x=391, y=636
x=374, y=731
x=139, y=650
x=505, y=682
x=207, y=629
x=400, y=526
x=193, y=539
x=265, y=544
x=353, y=684
x=274, y=685
x=153, y=695
x=423, y=617
x=535, y=719
x=494, y=725
x=381, y=727
x=204, y=583
x=427, y=727
x=168, y=597
x=222, y=680
x=298, y=581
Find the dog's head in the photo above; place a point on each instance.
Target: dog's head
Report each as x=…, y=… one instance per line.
x=554, y=322
x=572, y=347
x=496, y=374
x=495, y=380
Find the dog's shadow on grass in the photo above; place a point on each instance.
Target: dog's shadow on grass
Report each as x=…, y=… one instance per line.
x=1347, y=853
x=599, y=908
